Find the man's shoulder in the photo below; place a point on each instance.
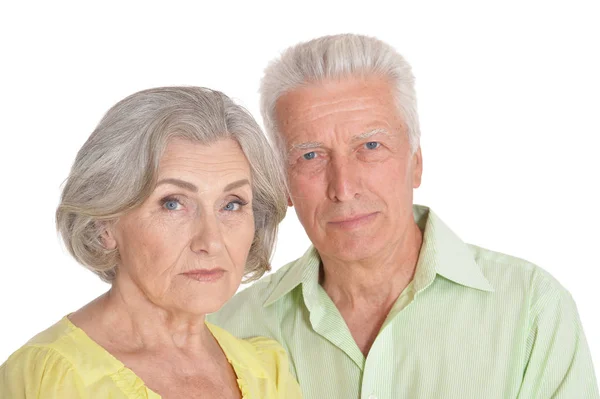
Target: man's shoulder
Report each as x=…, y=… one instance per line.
x=490, y=258
x=513, y=273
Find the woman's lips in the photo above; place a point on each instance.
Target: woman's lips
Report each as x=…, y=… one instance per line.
x=205, y=275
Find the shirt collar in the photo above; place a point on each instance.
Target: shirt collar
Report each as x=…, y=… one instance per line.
x=445, y=254
x=442, y=253
x=305, y=270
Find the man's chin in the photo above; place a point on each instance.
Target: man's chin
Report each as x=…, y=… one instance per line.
x=355, y=249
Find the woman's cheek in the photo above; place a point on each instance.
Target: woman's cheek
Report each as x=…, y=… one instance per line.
x=240, y=237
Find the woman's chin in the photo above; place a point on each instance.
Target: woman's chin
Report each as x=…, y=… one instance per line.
x=205, y=303
x=203, y=298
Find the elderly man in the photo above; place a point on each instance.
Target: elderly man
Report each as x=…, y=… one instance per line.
x=389, y=302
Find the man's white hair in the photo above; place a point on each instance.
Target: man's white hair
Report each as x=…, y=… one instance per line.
x=337, y=57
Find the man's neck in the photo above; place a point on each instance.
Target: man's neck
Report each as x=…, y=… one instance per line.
x=365, y=291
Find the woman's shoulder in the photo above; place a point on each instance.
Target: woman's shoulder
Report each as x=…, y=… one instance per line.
x=53, y=335
x=269, y=351
x=57, y=360
x=39, y=363
x=62, y=339
x=48, y=343
x=33, y=360
x=257, y=359
x=266, y=350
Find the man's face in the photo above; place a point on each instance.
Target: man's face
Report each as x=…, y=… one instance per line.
x=349, y=166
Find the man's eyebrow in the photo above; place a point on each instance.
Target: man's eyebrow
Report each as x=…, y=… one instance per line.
x=317, y=144
x=370, y=133
x=236, y=184
x=305, y=146
x=179, y=183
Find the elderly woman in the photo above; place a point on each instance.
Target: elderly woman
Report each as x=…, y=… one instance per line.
x=172, y=200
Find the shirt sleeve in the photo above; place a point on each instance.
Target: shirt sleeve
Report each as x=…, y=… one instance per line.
x=559, y=363
x=34, y=372
x=277, y=365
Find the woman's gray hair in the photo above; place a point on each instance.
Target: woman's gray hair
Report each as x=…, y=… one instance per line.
x=116, y=169
x=336, y=57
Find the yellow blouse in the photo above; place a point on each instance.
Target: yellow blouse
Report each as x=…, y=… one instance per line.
x=63, y=362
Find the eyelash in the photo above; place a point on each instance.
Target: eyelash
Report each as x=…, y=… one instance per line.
x=372, y=142
x=169, y=199
x=316, y=155
x=163, y=202
x=302, y=156
x=239, y=202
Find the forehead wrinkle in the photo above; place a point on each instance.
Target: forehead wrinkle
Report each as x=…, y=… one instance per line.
x=325, y=110
x=205, y=175
x=299, y=115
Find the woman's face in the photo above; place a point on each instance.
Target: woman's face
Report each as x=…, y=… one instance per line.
x=186, y=246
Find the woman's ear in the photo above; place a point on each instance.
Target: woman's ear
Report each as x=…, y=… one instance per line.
x=107, y=236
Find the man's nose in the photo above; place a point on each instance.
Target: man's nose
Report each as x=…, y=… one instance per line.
x=343, y=177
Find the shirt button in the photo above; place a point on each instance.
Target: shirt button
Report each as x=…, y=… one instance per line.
x=372, y=396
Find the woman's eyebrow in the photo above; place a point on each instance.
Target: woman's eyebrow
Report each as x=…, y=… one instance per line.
x=236, y=184
x=180, y=183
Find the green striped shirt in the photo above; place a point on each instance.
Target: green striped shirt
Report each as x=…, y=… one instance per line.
x=472, y=324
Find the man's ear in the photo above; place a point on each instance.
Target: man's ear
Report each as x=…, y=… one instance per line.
x=417, y=165
x=107, y=236
x=289, y=201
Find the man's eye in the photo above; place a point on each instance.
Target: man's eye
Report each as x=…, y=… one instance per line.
x=309, y=155
x=372, y=145
x=171, y=205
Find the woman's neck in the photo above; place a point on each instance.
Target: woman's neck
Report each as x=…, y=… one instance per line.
x=128, y=321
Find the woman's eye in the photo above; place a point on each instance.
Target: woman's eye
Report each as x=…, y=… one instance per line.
x=309, y=155
x=171, y=205
x=233, y=206
x=372, y=145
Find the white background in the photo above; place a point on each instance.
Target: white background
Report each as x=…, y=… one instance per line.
x=509, y=100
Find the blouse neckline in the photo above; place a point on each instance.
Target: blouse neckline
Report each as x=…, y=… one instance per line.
x=131, y=383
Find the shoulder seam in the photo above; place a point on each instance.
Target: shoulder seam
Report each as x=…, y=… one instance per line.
x=49, y=351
